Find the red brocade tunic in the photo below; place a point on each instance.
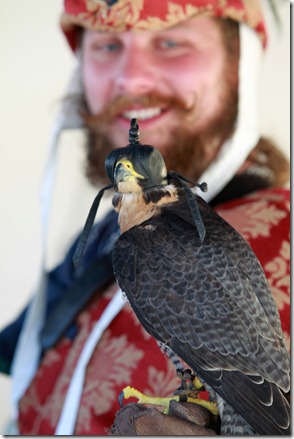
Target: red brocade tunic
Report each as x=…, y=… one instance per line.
x=126, y=354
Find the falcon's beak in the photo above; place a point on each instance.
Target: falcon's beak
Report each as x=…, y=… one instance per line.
x=124, y=171
x=121, y=173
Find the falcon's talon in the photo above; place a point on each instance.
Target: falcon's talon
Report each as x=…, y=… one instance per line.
x=131, y=392
x=121, y=398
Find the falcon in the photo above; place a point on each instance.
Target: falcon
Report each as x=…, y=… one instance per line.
x=197, y=287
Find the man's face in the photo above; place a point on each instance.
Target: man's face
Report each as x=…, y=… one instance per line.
x=174, y=81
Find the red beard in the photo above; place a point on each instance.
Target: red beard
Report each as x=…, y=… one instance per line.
x=188, y=154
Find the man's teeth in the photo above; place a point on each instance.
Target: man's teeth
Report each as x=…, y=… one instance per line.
x=142, y=114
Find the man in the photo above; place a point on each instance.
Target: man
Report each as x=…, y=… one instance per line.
x=180, y=72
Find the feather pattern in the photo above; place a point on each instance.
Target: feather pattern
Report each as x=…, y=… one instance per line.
x=210, y=303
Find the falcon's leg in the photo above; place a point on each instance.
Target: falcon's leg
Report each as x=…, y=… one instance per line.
x=130, y=392
x=186, y=392
x=169, y=353
x=185, y=375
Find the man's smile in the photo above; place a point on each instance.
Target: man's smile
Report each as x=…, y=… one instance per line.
x=143, y=113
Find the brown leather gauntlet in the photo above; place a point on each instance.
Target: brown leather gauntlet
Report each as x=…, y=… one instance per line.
x=184, y=419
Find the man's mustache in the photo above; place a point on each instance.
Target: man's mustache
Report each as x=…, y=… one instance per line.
x=124, y=103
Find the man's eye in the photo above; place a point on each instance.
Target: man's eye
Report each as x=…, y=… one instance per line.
x=106, y=47
x=112, y=47
x=168, y=44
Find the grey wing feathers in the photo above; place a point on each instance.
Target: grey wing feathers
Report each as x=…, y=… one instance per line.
x=210, y=303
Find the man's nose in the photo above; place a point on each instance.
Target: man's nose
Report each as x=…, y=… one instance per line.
x=137, y=72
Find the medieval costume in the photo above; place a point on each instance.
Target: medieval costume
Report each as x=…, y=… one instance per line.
x=78, y=343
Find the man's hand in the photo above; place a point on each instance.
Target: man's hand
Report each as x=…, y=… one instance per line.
x=184, y=419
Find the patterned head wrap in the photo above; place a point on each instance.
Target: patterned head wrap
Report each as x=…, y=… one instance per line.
x=138, y=15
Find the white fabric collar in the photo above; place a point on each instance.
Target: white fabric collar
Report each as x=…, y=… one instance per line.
x=247, y=133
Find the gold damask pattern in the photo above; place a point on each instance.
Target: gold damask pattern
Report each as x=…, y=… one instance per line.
x=255, y=219
x=279, y=275
x=120, y=358
x=143, y=15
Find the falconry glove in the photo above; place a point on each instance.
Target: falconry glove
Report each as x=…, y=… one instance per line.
x=183, y=419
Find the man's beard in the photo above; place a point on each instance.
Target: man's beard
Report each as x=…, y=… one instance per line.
x=187, y=153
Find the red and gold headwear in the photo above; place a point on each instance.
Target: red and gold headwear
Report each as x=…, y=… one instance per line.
x=137, y=15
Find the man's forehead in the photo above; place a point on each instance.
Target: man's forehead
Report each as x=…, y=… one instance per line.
x=152, y=15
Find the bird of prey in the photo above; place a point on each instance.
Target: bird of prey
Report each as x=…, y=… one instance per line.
x=197, y=287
